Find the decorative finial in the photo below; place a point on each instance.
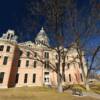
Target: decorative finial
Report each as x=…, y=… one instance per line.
x=42, y=30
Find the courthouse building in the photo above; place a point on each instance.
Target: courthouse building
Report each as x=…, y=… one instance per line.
x=21, y=63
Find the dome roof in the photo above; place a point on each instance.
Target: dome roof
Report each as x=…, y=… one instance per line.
x=42, y=37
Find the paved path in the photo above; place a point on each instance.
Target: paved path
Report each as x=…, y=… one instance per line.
x=94, y=95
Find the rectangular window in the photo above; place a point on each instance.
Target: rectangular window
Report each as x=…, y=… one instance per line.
x=46, y=73
x=63, y=64
x=56, y=65
x=35, y=63
x=46, y=55
x=34, y=78
x=28, y=54
x=1, y=47
x=17, y=77
x=70, y=77
x=8, y=49
x=79, y=65
x=46, y=65
x=1, y=77
x=35, y=54
x=76, y=77
x=67, y=57
x=19, y=63
x=5, y=60
x=64, y=78
x=25, y=78
x=20, y=52
x=68, y=65
x=27, y=63
x=56, y=56
x=81, y=77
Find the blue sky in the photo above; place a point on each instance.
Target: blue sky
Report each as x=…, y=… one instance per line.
x=12, y=13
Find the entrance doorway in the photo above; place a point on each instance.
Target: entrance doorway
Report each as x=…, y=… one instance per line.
x=46, y=78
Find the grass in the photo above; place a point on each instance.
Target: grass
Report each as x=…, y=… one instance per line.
x=96, y=87
x=79, y=87
x=37, y=93
x=75, y=86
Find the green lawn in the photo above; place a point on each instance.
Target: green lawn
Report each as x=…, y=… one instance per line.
x=37, y=93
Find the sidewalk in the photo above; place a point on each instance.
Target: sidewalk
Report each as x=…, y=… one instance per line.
x=94, y=95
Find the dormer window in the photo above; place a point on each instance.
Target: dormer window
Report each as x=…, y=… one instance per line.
x=11, y=36
x=8, y=36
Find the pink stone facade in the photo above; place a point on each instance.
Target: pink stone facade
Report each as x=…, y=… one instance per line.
x=20, y=65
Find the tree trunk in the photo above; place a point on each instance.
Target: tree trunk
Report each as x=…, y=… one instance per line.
x=87, y=85
x=59, y=86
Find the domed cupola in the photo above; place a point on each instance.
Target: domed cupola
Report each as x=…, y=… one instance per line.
x=42, y=38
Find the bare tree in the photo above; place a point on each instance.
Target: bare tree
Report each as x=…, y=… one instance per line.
x=60, y=15
x=54, y=13
x=91, y=29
